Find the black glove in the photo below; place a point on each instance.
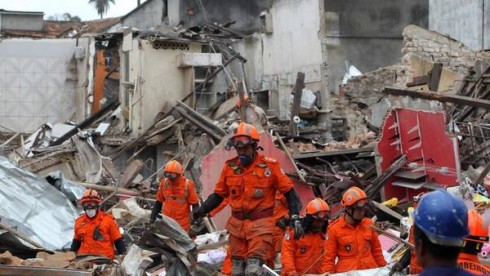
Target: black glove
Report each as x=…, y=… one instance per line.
x=157, y=208
x=397, y=267
x=198, y=213
x=297, y=227
x=282, y=223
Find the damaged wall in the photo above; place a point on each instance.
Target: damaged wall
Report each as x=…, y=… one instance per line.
x=436, y=47
x=245, y=14
x=422, y=48
x=37, y=82
x=294, y=45
x=466, y=21
x=367, y=34
x=149, y=14
x=154, y=78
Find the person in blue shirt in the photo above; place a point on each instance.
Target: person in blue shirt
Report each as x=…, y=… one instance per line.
x=441, y=223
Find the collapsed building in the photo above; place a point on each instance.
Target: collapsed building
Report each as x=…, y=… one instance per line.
x=107, y=107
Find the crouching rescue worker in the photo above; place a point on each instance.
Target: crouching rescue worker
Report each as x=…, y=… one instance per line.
x=250, y=182
x=468, y=258
x=96, y=233
x=306, y=255
x=350, y=238
x=176, y=194
x=441, y=223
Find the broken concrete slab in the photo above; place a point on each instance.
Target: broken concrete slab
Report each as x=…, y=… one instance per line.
x=132, y=170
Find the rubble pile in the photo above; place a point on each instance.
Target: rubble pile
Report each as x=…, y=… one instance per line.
x=367, y=148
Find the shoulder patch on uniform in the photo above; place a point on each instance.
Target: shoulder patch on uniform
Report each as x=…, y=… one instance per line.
x=262, y=165
x=269, y=159
x=286, y=236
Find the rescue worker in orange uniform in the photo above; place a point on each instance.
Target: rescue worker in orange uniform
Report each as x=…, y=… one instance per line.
x=251, y=181
x=176, y=194
x=468, y=258
x=306, y=255
x=280, y=216
x=96, y=233
x=350, y=238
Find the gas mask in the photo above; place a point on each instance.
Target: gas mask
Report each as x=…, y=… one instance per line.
x=245, y=160
x=91, y=212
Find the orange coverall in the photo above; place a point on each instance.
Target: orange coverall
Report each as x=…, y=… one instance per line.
x=472, y=264
x=84, y=232
x=280, y=210
x=415, y=268
x=251, y=192
x=303, y=256
x=357, y=247
x=178, y=196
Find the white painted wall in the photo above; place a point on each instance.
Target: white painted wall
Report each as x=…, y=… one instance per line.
x=295, y=45
x=37, y=84
x=157, y=79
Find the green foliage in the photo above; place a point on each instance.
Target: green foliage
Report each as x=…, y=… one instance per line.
x=102, y=6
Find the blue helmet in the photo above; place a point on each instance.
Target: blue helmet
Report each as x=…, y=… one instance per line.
x=443, y=218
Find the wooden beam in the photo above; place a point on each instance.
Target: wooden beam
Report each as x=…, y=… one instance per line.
x=435, y=77
x=485, y=104
x=300, y=175
x=482, y=175
x=109, y=189
x=391, y=236
x=243, y=104
x=418, y=81
x=379, y=182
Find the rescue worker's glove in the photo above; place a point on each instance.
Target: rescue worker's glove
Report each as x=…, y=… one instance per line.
x=282, y=223
x=297, y=227
x=397, y=267
x=198, y=213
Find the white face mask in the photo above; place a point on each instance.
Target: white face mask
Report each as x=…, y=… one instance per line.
x=91, y=212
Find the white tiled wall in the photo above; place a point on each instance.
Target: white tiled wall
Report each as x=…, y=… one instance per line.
x=33, y=83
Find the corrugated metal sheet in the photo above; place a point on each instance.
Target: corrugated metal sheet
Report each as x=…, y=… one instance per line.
x=35, y=208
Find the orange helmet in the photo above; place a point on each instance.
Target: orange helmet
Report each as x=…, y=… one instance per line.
x=246, y=99
x=90, y=196
x=245, y=134
x=317, y=207
x=354, y=195
x=173, y=167
x=478, y=231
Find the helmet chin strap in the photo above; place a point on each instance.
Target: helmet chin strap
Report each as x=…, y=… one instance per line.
x=350, y=213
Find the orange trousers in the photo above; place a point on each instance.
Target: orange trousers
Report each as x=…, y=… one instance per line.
x=251, y=238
